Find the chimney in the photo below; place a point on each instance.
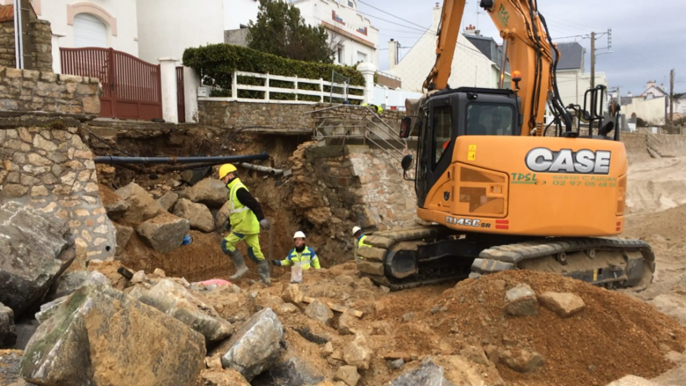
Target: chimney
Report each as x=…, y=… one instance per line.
x=437, y=17
x=629, y=94
x=651, y=83
x=393, y=54
x=470, y=30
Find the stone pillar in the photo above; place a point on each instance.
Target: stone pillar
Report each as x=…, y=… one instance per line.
x=191, y=82
x=170, y=110
x=368, y=70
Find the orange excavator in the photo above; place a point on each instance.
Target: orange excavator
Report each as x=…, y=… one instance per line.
x=497, y=188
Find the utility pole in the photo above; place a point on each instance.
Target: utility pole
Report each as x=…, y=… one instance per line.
x=671, y=96
x=592, y=59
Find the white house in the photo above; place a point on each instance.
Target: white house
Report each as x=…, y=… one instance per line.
x=237, y=12
x=352, y=35
x=89, y=23
x=572, y=80
x=167, y=27
x=469, y=68
x=164, y=29
x=355, y=39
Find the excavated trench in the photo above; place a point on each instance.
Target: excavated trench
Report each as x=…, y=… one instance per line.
x=203, y=258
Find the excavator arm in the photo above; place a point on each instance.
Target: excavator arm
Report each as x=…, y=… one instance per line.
x=526, y=44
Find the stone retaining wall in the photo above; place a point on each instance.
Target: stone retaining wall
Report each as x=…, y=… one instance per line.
x=39, y=44
x=273, y=116
x=364, y=185
x=26, y=91
x=47, y=166
x=286, y=118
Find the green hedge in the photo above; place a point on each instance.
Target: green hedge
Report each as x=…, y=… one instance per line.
x=216, y=63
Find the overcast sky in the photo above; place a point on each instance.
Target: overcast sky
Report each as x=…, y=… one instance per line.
x=648, y=37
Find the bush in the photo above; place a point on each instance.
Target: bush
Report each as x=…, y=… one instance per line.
x=216, y=63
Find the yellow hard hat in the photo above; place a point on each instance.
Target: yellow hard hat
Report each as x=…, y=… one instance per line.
x=226, y=169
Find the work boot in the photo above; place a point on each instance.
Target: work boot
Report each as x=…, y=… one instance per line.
x=239, y=262
x=263, y=270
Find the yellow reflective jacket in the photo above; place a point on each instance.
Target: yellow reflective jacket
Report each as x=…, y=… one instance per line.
x=243, y=220
x=307, y=258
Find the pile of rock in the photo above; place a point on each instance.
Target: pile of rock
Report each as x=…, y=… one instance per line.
x=163, y=223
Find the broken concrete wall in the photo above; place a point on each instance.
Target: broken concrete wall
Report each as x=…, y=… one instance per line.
x=340, y=186
x=46, y=165
x=27, y=90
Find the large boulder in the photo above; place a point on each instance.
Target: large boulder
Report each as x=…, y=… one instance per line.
x=197, y=214
x=100, y=336
x=34, y=250
x=165, y=232
x=256, y=346
x=210, y=191
x=175, y=300
x=168, y=200
x=142, y=206
x=71, y=281
x=8, y=332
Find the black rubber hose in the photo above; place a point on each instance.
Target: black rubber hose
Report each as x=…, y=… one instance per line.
x=115, y=160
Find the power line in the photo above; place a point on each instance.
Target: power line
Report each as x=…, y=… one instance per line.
x=390, y=14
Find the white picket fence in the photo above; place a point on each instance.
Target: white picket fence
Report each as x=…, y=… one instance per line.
x=268, y=89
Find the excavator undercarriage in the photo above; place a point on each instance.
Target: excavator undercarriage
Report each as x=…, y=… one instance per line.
x=432, y=254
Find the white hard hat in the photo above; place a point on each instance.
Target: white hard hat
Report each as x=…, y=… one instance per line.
x=356, y=229
x=299, y=234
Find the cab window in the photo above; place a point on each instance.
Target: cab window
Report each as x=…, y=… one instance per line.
x=490, y=119
x=442, y=128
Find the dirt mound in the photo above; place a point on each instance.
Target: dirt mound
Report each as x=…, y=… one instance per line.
x=615, y=335
x=668, y=224
x=655, y=185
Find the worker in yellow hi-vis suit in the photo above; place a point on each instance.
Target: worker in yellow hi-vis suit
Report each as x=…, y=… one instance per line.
x=246, y=218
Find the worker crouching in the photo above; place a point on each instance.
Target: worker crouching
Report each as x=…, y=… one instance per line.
x=246, y=219
x=302, y=257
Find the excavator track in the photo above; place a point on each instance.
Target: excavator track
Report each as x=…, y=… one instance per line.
x=430, y=255
x=606, y=261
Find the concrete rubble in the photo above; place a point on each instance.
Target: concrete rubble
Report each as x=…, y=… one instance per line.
x=198, y=215
x=142, y=206
x=164, y=232
x=35, y=250
x=176, y=301
x=521, y=301
x=8, y=332
x=256, y=345
x=563, y=304
x=71, y=281
x=92, y=337
x=209, y=191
